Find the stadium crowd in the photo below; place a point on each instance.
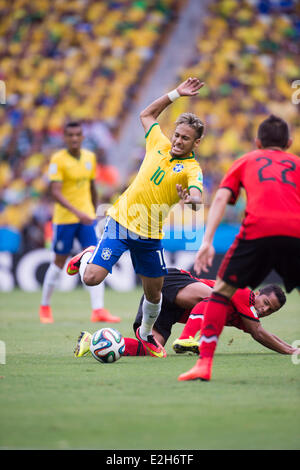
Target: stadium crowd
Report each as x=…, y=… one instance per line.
x=248, y=55
x=85, y=60
x=81, y=60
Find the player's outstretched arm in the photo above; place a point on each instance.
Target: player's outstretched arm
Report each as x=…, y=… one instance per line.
x=149, y=115
x=283, y=342
x=267, y=339
x=205, y=255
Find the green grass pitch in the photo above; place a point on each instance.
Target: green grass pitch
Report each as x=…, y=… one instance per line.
x=52, y=400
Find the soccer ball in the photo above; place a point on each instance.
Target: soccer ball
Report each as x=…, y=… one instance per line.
x=107, y=345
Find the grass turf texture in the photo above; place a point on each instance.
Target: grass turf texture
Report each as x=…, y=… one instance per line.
x=52, y=400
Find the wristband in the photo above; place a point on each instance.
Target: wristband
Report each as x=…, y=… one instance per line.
x=173, y=95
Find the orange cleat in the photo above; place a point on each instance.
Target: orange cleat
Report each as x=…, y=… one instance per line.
x=101, y=314
x=201, y=370
x=46, y=314
x=74, y=263
x=153, y=347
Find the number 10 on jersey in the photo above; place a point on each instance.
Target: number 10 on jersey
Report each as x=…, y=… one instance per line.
x=158, y=176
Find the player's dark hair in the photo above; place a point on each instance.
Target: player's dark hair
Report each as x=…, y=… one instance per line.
x=72, y=124
x=193, y=121
x=273, y=132
x=267, y=290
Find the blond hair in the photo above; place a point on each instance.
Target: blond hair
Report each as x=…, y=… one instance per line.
x=193, y=121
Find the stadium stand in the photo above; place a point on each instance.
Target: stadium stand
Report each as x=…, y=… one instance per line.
x=248, y=56
x=87, y=60
x=81, y=60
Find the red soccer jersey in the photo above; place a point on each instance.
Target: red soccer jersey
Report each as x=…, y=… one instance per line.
x=208, y=282
x=271, y=179
x=241, y=305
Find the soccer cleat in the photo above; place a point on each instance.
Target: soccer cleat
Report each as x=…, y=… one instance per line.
x=83, y=344
x=201, y=370
x=153, y=347
x=46, y=314
x=101, y=314
x=74, y=263
x=181, y=346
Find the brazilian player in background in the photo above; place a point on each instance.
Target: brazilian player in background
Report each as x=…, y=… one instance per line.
x=72, y=185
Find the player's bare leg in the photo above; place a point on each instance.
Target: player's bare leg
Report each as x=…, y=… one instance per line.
x=92, y=277
x=60, y=260
x=50, y=281
x=192, y=294
x=213, y=323
x=152, y=288
x=93, y=274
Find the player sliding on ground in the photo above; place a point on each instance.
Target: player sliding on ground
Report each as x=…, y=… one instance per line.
x=184, y=301
x=269, y=237
x=168, y=174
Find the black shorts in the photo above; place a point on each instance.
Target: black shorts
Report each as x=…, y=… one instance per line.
x=248, y=262
x=170, y=313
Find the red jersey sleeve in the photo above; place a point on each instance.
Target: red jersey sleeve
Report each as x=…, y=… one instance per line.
x=208, y=282
x=232, y=179
x=243, y=301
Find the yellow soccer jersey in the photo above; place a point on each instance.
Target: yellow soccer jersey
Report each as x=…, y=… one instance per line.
x=75, y=176
x=145, y=204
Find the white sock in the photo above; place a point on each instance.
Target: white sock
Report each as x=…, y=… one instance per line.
x=96, y=295
x=51, y=278
x=150, y=314
x=96, y=292
x=83, y=262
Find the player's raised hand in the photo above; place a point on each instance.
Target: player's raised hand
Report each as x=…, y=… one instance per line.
x=204, y=258
x=190, y=87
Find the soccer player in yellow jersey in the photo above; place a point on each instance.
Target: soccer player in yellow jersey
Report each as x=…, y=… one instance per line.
x=168, y=173
x=71, y=175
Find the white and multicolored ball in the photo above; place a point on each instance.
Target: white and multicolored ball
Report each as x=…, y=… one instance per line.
x=107, y=345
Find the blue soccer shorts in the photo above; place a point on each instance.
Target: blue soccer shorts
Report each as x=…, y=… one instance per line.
x=146, y=253
x=65, y=234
